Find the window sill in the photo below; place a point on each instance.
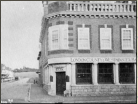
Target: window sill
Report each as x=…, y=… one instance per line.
x=60, y=51
x=106, y=49
x=57, y=49
x=127, y=49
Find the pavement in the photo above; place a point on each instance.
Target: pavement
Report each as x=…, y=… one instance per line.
x=38, y=95
x=15, y=91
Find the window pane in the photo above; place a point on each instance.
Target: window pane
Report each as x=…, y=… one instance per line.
x=83, y=38
x=105, y=43
x=105, y=38
x=126, y=73
x=127, y=36
x=55, y=39
x=105, y=73
x=83, y=73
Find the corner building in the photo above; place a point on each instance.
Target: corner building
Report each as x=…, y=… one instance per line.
x=88, y=48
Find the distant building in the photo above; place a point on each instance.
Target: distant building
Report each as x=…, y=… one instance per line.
x=88, y=48
x=6, y=71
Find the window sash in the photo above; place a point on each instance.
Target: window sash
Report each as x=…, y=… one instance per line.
x=83, y=74
x=58, y=37
x=83, y=38
x=105, y=74
x=127, y=38
x=55, y=39
x=64, y=36
x=105, y=39
x=126, y=74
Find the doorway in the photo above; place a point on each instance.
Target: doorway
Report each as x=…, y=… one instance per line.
x=60, y=83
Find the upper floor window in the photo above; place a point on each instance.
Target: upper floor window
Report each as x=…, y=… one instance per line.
x=105, y=39
x=58, y=37
x=127, y=38
x=55, y=39
x=83, y=38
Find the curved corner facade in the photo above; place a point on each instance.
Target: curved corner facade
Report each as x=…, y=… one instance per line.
x=88, y=48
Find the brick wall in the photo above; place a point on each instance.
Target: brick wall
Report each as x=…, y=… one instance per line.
x=94, y=25
x=57, y=7
x=103, y=90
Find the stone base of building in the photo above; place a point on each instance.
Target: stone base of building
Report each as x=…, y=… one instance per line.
x=103, y=90
x=97, y=90
x=47, y=88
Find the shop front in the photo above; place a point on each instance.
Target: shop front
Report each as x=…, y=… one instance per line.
x=92, y=76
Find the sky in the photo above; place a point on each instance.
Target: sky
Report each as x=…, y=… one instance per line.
x=20, y=32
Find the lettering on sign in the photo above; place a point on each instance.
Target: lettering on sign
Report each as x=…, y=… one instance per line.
x=99, y=59
x=59, y=69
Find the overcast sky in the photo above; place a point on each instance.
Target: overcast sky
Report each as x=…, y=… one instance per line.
x=20, y=32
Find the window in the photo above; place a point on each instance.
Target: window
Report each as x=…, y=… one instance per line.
x=64, y=36
x=127, y=38
x=83, y=38
x=126, y=73
x=105, y=39
x=55, y=39
x=105, y=73
x=45, y=47
x=58, y=37
x=84, y=74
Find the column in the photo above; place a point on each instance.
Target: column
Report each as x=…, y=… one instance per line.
x=116, y=74
x=135, y=71
x=74, y=6
x=94, y=73
x=78, y=5
x=68, y=73
x=70, y=6
x=101, y=7
x=73, y=74
x=132, y=8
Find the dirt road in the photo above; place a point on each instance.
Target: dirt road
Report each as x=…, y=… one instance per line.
x=15, y=90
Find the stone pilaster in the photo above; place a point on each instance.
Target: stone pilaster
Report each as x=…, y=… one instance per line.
x=73, y=73
x=116, y=73
x=95, y=73
x=135, y=71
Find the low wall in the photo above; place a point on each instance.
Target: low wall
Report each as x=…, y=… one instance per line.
x=103, y=90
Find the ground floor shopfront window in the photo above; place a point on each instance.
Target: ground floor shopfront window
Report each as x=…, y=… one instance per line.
x=126, y=73
x=83, y=73
x=105, y=73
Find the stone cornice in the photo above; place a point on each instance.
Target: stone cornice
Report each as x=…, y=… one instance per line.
x=91, y=15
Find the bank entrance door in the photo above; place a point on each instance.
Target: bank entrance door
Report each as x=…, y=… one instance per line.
x=60, y=83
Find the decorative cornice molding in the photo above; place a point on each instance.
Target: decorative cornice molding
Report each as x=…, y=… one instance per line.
x=90, y=16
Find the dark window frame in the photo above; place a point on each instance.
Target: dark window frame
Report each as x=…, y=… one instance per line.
x=124, y=75
x=105, y=72
x=85, y=72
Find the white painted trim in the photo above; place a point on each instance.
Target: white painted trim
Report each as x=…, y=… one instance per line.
x=59, y=60
x=128, y=48
x=105, y=25
x=102, y=30
x=80, y=35
x=92, y=60
x=60, y=29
